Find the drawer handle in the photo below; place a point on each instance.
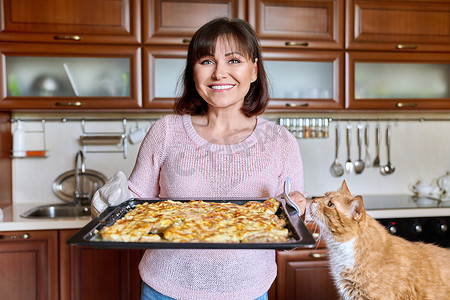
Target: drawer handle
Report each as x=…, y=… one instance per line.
x=68, y=37
x=401, y=46
x=295, y=104
x=15, y=237
x=401, y=104
x=78, y=103
x=318, y=255
x=186, y=41
x=301, y=44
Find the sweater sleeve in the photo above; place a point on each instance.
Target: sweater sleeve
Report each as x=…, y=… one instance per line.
x=292, y=163
x=144, y=179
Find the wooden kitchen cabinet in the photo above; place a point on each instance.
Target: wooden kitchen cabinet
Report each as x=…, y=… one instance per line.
x=41, y=76
x=402, y=25
x=305, y=80
x=71, y=21
x=173, y=22
x=304, y=273
x=89, y=273
x=29, y=265
x=300, y=80
x=398, y=81
x=298, y=24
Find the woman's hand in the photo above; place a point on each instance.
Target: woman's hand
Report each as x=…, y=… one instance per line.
x=300, y=200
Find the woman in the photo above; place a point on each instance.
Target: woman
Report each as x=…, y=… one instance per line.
x=215, y=146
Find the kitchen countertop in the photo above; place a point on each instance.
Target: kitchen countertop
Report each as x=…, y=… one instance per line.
x=12, y=220
x=399, y=206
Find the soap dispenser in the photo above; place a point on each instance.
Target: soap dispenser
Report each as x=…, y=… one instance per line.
x=19, y=140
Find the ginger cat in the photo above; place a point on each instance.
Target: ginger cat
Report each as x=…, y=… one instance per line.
x=367, y=262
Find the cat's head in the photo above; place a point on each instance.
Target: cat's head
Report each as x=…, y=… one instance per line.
x=338, y=214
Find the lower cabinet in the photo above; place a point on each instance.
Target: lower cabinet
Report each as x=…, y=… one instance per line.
x=304, y=273
x=88, y=273
x=39, y=264
x=29, y=265
x=49, y=268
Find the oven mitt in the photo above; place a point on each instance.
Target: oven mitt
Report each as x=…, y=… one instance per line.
x=112, y=193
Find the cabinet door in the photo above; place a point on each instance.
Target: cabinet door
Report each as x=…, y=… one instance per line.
x=304, y=274
x=29, y=265
x=89, y=273
x=398, y=25
x=299, y=80
x=175, y=21
x=70, y=77
x=163, y=68
x=298, y=24
x=71, y=21
x=304, y=80
x=398, y=81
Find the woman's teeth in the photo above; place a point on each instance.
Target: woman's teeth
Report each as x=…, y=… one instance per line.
x=221, y=87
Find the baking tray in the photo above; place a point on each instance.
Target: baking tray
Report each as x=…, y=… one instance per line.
x=88, y=235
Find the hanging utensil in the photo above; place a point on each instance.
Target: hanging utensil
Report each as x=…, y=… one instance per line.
x=376, y=161
x=336, y=169
x=367, y=160
x=348, y=163
x=388, y=168
x=359, y=163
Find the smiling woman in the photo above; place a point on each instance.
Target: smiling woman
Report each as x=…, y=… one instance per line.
x=216, y=145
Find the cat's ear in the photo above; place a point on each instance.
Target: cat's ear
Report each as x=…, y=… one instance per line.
x=344, y=188
x=358, y=209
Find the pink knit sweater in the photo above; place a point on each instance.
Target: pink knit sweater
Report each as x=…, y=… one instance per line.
x=174, y=161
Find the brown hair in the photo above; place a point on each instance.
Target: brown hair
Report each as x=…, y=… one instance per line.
x=202, y=44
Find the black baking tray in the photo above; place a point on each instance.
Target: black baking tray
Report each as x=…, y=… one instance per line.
x=88, y=235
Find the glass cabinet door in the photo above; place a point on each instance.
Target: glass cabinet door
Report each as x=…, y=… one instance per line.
x=297, y=80
x=163, y=68
x=94, y=77
x=399, y=81
x=304, y=80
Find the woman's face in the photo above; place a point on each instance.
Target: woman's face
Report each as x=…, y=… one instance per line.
x=223, y=79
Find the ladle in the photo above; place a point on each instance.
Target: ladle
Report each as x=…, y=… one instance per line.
x=336, y=169
x=359, y=163
x=348, y=163
x=388, y=168
x=367, y=160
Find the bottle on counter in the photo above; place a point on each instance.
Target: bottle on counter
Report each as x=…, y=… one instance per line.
x=19, y=140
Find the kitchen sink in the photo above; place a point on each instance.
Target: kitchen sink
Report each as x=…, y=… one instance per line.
x=54, y=211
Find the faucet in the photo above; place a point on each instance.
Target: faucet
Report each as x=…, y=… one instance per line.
x=79, y=187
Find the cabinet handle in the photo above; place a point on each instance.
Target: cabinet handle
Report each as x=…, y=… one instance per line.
x=186, y=41
x=295, y=104
x=318, y=255
x=78, y=103
x=401, y=104
x=316, y=235
x=15, y=237
x=302, y=44
x=401, y=46
x=68, y=37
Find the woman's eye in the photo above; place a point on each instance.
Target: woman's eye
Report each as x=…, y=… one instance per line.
x=234, y=61
x=330, y=204
x=206, y=62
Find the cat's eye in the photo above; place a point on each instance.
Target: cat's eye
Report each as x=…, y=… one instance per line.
x=330, y=204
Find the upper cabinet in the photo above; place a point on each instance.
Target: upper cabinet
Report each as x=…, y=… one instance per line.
x=174, y=22
x=410, y=25
x=71, y=21
x=398, y=81
x=69, y=77
x=298, y=24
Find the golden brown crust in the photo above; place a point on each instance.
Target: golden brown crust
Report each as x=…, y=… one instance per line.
x=200, y=221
